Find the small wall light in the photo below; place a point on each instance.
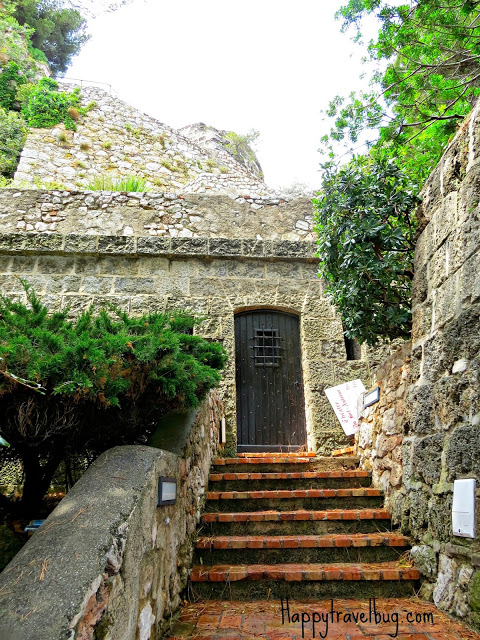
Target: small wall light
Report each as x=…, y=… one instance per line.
x=167, y=491
x=371, y=397
x=463, y=509
x=223, y=431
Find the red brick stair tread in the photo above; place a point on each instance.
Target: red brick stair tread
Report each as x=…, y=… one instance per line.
x=270, y=460
x=290, y=475
x=271, y=515
x=303, y=572
x=286, y=454
x=302, y=542
x=343, y=452
x=293, y=493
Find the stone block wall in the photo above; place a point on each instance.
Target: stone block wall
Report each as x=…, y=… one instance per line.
x=108, y=563
x=213, y=277
x=442, y=435
x=441, y=412
x=380, y=435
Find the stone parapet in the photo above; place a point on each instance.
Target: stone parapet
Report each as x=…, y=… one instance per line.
x=177, y=215
x=108, y=562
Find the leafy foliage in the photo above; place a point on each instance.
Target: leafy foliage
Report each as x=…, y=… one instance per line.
x=59, y=31
x=46, y=106
x=105, y=379
x=13, y=132
x=10, y=81
x=431, y=49
x=366, y=228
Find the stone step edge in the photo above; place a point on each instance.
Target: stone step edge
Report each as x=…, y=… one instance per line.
x=303, y=542
x=270, y=460
x=303, y=572
x=286, y=454
x=285, y=494
x=292, y=475
x=298, y=515
x=343, y=452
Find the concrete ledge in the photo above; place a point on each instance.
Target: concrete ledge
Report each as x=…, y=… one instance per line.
x=68, y=244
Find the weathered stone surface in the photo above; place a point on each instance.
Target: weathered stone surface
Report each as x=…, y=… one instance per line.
x=425, y=560
x=427, y=454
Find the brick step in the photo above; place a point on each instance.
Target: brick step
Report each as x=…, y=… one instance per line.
x=298, y=522
x=338, y=479
x=283, y=463
x=247, y=582
x=346, y=451
x=373, y=547
x=301, y=499
x=286, y=454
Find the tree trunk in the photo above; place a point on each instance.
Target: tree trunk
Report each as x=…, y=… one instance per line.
x=37, y=479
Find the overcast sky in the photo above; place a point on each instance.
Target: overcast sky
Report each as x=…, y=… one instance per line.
x=270, y=65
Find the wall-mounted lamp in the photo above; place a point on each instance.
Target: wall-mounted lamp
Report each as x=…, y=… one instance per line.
x=167, y=491
x=463, y=509
x=371, y=397
x=223, y=431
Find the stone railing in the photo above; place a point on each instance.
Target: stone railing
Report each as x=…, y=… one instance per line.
x=108, y=562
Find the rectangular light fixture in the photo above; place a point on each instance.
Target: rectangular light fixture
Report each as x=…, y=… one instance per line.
x=463, y=509
x=223, y=431
x=371, y=397
x=167, y=491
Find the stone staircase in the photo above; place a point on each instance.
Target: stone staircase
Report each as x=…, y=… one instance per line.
x=294, y=525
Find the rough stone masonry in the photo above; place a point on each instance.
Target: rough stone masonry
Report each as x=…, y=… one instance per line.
x=209, y=237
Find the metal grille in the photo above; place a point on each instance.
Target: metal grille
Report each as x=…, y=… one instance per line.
x=266, y=348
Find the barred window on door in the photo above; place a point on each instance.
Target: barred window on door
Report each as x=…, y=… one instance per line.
x=267, y=348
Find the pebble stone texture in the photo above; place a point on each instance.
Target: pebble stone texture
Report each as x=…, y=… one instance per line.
x=210, y=237
x=107, y=563
x=380, y=436
x=217, y=620
x=437, y=408
x=114, y=139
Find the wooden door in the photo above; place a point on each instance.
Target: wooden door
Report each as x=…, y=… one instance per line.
x=269, y=382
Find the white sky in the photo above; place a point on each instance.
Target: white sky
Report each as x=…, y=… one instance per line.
x=270, y=65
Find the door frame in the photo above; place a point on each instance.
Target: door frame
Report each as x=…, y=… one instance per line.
x=274, y=447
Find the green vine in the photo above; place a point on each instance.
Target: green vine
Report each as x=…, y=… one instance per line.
x=11, y=79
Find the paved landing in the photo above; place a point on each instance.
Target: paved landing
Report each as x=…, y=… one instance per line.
x=404, y=619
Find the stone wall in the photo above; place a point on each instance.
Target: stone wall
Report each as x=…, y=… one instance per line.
x=159, y=214
x=441, y=435
x=214, y=277
x=380, y=436
x=114, y=139
x=108, y=563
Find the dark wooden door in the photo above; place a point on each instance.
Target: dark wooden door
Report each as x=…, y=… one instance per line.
x=269, y=382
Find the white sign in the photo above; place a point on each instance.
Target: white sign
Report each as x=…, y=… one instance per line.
x=343, y=399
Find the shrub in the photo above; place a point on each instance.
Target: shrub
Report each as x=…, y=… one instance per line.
x=129, y=183
x=68, y=387
x=13, y=132
x=11, y=79
x=46, y=106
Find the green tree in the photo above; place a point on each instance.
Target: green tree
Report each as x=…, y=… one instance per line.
x=365, y=223
x=429, y=51
x=68, y=387
x=59, y=32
